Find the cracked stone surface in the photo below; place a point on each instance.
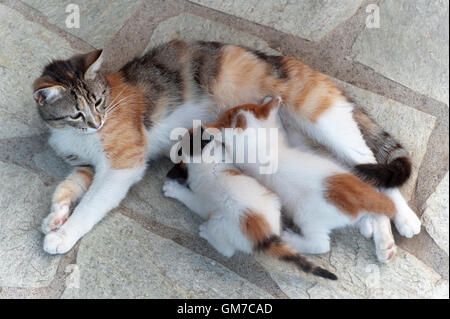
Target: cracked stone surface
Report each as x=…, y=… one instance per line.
x=190, y=27
x=37, y=46
x=360, y=275
x=23, y=204
x=99, y=20
x=110, y=270
x=411, y=45
x=149, y=246
x=413, y=133
x=306, y=19
x=435, y=217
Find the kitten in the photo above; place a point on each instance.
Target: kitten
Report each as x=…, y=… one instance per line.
x=114, y=123
x=241, y=214
x=317, y=193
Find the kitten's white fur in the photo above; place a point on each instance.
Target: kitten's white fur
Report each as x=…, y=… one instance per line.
x=223, y=199
x=299, y=182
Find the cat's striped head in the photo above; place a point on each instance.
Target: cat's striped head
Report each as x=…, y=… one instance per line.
x=73, y=93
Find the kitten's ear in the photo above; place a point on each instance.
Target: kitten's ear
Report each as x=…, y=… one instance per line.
x=92, y=62
x=273, y=104
x=48, y=95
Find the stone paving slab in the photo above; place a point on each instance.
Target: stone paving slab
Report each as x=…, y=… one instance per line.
x=191, y=27
x=37, y=46
x=153, y=251
x=413, y=132
x=306, y=19
x=134, y=263
x=146, y=198
x=353, y=260
x=99, y=20
x=411, y=46
x=435, y=216
x=24, y=203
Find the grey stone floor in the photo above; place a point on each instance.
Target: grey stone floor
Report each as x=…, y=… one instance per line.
x=149, y=247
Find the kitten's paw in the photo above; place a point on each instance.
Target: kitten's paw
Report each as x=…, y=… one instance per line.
x=365, y=227
x=203, y=233
x=58, y=242
x=407, y=222
x=58, y=216
x=172, y=189
x=386, y=252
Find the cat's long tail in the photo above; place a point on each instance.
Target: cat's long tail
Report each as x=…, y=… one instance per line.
x=393, y=167
x=257, y=229
x=274, y=246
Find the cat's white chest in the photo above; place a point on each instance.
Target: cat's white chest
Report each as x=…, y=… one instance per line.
x=78, y=148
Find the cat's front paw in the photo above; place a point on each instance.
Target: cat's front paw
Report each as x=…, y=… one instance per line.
x=59, y=213
x=58, y=242
x=407, y=222
x=172, y=189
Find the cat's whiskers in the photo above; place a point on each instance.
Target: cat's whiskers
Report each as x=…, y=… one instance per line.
x=117, y=96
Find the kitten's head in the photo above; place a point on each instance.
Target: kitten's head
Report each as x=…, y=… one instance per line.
x=197, y=156
x=73, y=93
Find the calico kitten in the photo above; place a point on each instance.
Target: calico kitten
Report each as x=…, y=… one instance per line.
x=113, y=123
x=241, y=214
x=317, y=193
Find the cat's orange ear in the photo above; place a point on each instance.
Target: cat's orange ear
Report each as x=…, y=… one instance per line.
x=272, y=105
x=272, y=102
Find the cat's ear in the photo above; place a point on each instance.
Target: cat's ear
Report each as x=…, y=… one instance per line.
x=92, y=62
x=48, y=95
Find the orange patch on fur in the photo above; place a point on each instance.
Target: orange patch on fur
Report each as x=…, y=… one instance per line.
x=239, y=77
x=123, y=134
x=351, y=195
x=306, y=92
x=233, y=172
x=74, y=185
x=255, y=227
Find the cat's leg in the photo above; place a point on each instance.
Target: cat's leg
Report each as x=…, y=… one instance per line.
x=107, y=190
x=405, y=220
x=384, y=240
x=310, y=243
x=338, y=130
x=208, y=231
x=66, y=194
x=173, y=189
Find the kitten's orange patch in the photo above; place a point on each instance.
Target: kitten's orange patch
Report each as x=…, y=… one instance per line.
x=123, y=134
x=233, y=172
x=352, y=196
x=255, y=227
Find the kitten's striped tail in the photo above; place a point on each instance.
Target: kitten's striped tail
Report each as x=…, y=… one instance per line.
x=258, y=231
x=393, y=167
x=275, y=247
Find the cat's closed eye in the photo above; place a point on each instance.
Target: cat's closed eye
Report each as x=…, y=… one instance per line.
x=77, y=116
x=98, y=101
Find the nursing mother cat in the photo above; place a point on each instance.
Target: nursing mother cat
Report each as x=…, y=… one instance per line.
x=108, y=125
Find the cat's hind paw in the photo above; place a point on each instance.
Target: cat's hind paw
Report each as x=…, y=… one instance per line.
x=407, y=222
x=386, y=253
x=58, y=216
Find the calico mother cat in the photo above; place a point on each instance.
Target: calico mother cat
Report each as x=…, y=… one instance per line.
x=108, y=126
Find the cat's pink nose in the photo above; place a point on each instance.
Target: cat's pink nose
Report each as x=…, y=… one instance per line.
x=95, y=125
